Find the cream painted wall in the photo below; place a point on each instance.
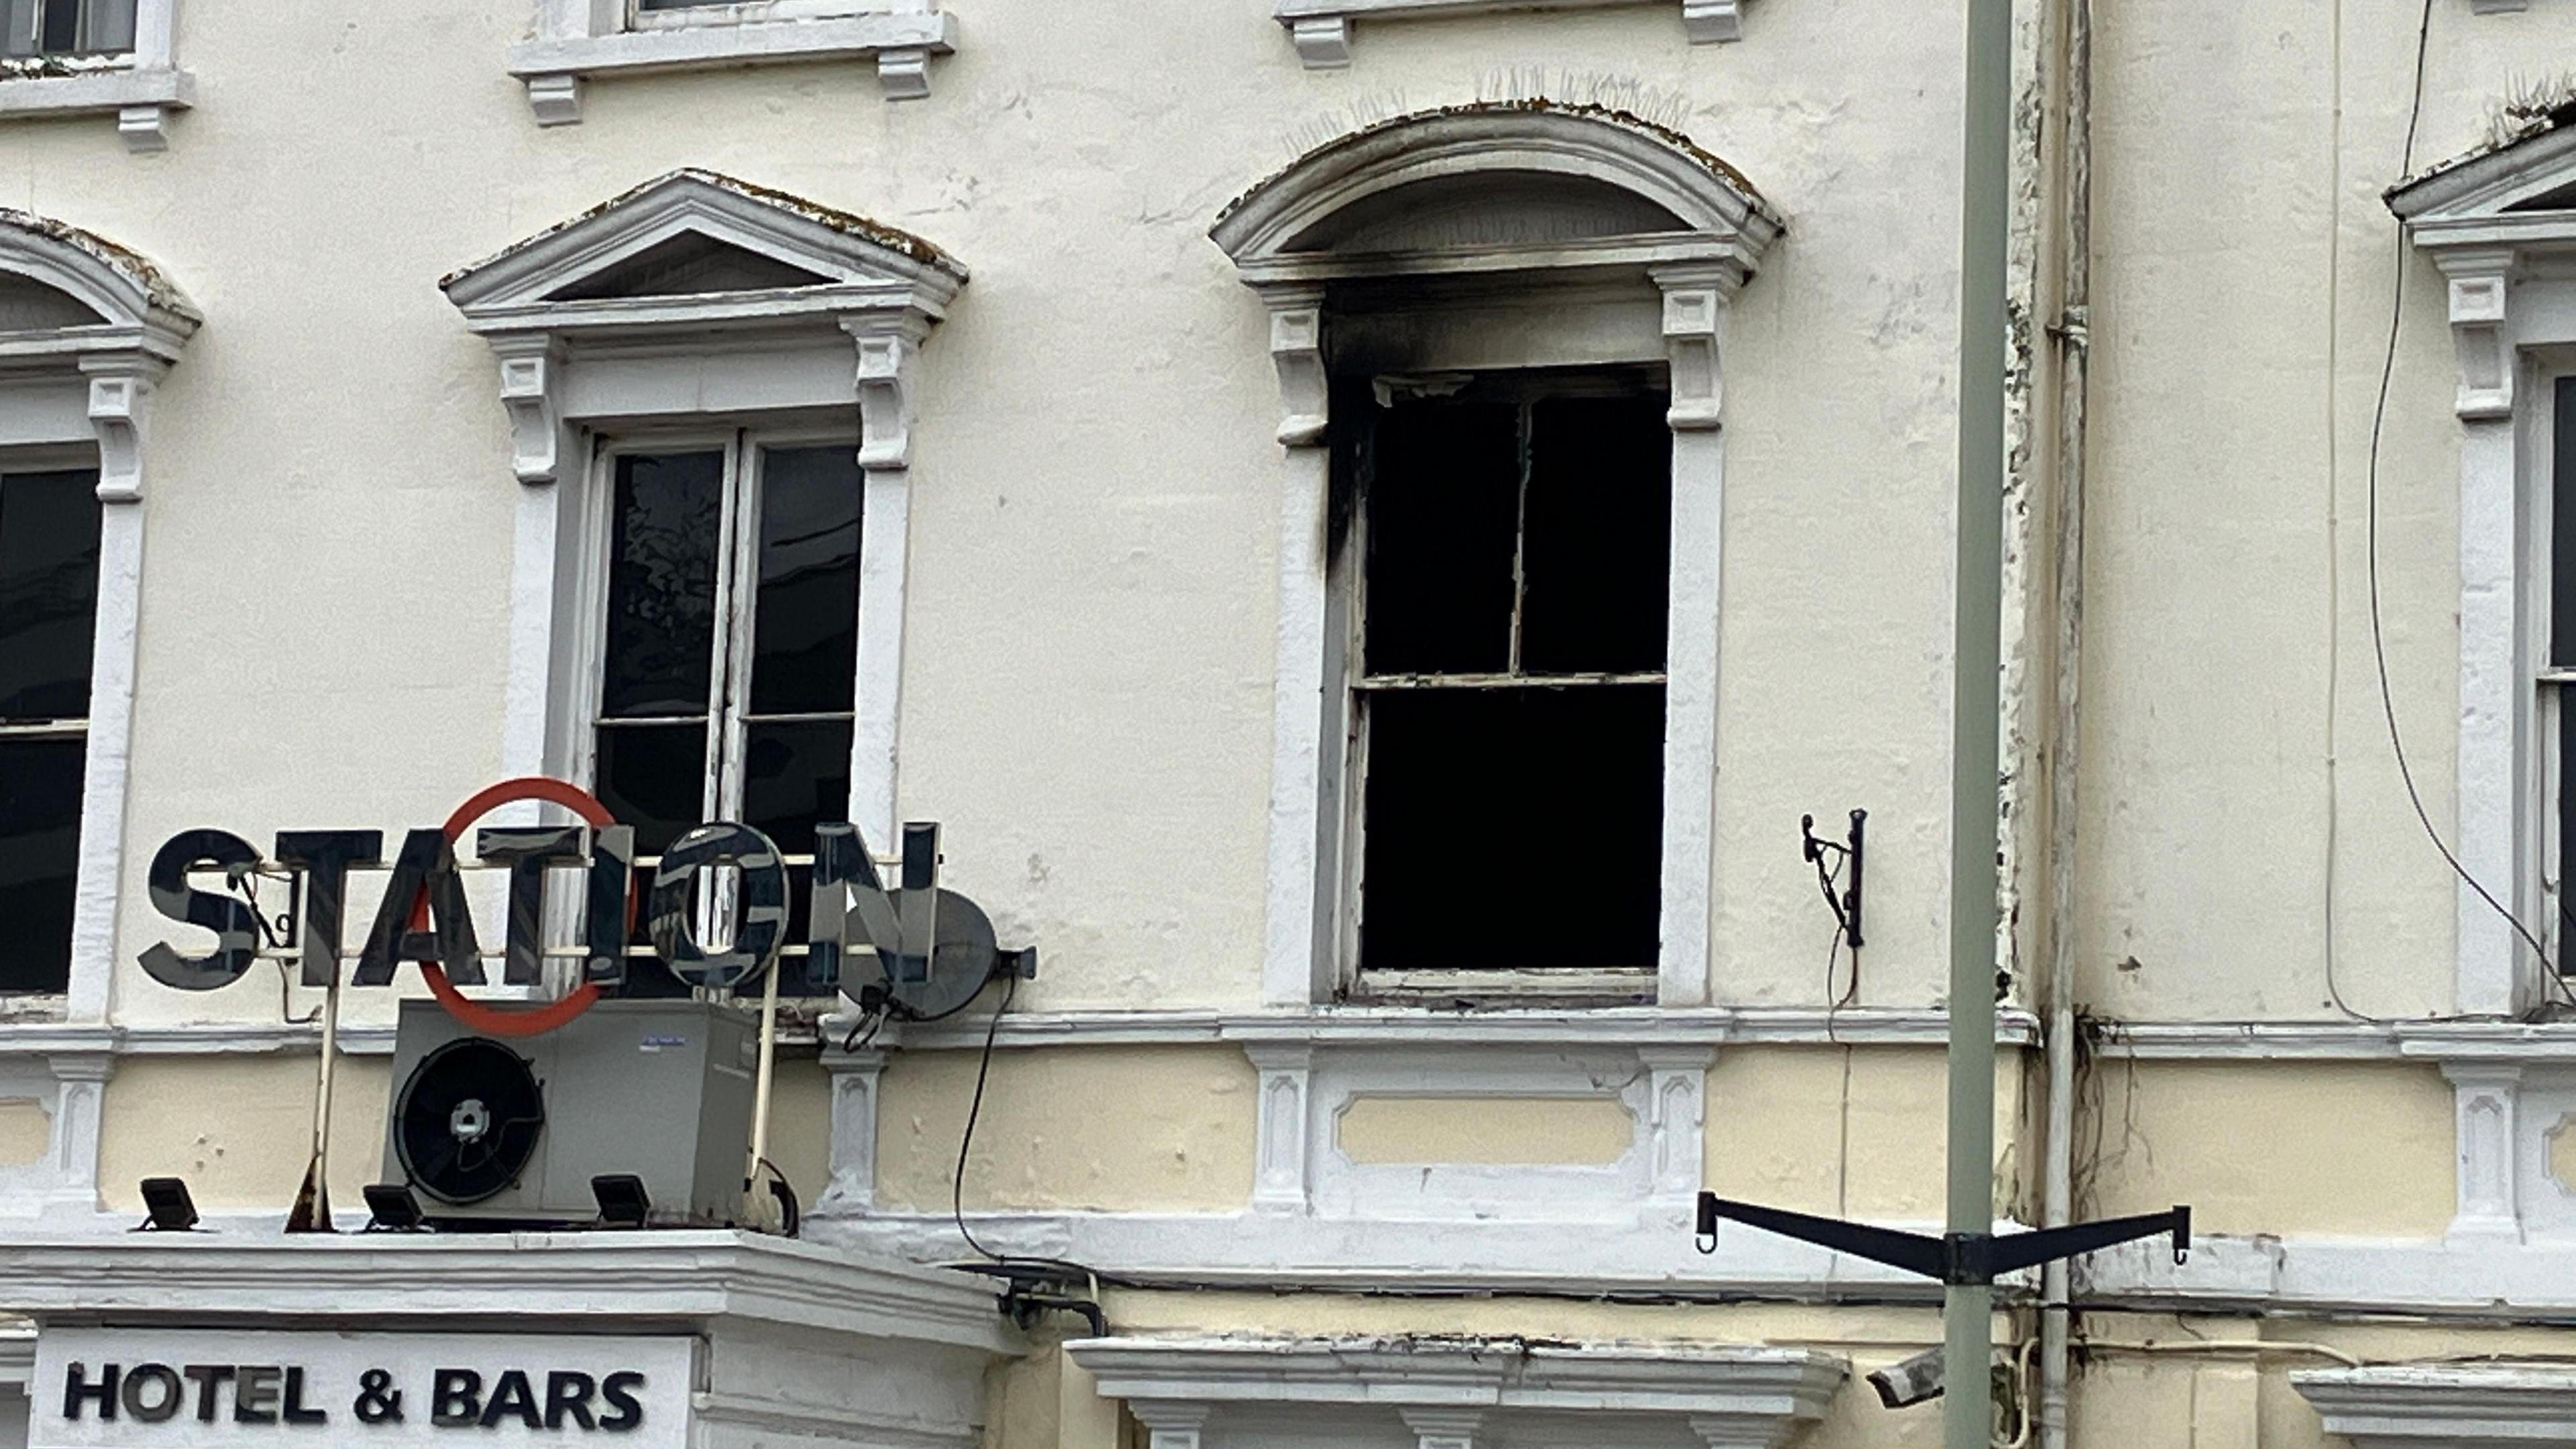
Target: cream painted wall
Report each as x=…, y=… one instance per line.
x=2321, y=1149
x=239, y=1129
x=330, y=508
x=26, y=1130
x=1103, y=1127
x=1845, y=1130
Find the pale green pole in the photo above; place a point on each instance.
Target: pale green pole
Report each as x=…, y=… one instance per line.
x=1968, y=1310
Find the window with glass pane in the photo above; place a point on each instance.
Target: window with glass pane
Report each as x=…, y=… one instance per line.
x=2558, y=671
x=48, y=607
x=730, y=650
x=67, y=27
x=1515, y=542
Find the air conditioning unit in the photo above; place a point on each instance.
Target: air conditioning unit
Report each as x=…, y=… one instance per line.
x=495, y=1132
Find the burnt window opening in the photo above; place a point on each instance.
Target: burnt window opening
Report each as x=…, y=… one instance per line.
x=1512, y=537
x=49, y=544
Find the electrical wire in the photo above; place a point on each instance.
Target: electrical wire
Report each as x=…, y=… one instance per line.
x=974, y=1110
x=2378, y=631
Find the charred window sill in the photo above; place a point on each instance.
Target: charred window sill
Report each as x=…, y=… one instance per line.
x=1467, y=991
x=901, y=45
x=139, y=96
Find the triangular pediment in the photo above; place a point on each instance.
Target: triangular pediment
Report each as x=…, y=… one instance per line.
x=2518, y=191
x=698, y=238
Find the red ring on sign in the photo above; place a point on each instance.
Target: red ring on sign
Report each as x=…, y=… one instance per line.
x=506, y=1021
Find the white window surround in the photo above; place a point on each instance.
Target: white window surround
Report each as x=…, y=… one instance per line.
x=140, y=88
x=1635, y=243
x=1451, y=1393
x=91, y=386
x=573, y=371
x=577, y=39
x=1321, y=29
x=2445, y=1406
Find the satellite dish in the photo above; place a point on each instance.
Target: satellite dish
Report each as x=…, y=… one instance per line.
x=467, y=1121
x=962, y=959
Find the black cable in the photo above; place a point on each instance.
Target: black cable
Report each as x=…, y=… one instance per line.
x=2378, y=635
x=975, y=1109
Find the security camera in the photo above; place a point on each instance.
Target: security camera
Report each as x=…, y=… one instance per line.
x=1911, y=1382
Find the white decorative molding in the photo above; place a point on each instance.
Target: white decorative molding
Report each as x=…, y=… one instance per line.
x=2445, y=1406
x=841, y=346
x=530, y=367
x=2498, y=7
x=1321, y=29
x=87, y=384
x=1297, y=352
x=1172, y=1423
x=580, y=39
x=1444, y=1393
x=885, y=399
x=140, y=87
x=1280, y=1177
x=1677, y=1120
x=2478, y=279
x=689, y=1275
x=1339, y=213
x=2489, y=1150
x=2488, y=223
x=1443, y=1428
x=1389, y=1027
x=853, y=1164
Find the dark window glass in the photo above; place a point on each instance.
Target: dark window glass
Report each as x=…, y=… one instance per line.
x=653, y=777
x=663, y=546
x=1443, y=499
x=61, y=27
x=793, y=774
x=1467, y=792
x=40, y=801
x=1597, y=536
x=2562, y=572
x=48, y=593
x=805, y=632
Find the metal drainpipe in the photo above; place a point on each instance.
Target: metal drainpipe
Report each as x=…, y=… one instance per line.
x=2058, y=1177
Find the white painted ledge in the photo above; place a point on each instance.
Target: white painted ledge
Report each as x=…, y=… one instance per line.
x=599, y=1278
x=900, y=44
x=1321, y=29
x=2443, y=1406
x=140, y=97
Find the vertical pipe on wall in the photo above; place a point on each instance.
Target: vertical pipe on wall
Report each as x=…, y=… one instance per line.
x=1976, y=704
x=2057, y=1190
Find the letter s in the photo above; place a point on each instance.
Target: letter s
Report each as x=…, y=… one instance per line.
x=235, y=928
x=619, y=1390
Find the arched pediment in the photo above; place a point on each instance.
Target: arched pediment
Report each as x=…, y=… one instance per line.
x=1498, y=186
x=63, y=286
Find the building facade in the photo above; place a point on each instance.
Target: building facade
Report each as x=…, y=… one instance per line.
x=1278, y=482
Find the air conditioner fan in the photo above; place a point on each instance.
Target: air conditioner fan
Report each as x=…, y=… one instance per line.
x=467, y=1122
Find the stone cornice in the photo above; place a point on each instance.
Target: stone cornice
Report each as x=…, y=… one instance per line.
x=571, y=1280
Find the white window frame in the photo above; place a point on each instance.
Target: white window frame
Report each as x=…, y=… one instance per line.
x=1666, y=300
x=1321, y=29
x=141, y=87
x=577, y=374
x=742, y=445
x=578, y=40
x=85, y=391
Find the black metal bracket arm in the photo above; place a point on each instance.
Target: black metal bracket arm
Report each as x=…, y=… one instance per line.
x=1829, y=858
x=1952, y=1257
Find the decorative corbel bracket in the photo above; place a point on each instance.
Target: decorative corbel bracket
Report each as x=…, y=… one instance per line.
x=1444, y=1428
x=1709, y=22
x=1286, y=1073
x=120, y=399
x=1323, y=42
x=2487, y=1137
x=2478, y=283
x=1694, y=317
x=886, y=348
x=1297, y=350
x=531, y=393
